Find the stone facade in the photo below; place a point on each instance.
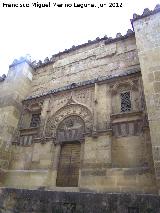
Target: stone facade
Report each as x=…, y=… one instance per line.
x=86, y=120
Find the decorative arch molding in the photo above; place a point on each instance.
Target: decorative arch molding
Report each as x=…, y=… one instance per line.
x=72, y=109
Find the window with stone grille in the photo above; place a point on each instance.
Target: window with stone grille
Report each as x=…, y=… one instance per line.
x=35, y=120
x=125, y=101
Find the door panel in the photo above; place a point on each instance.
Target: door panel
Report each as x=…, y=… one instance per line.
x=69, y=164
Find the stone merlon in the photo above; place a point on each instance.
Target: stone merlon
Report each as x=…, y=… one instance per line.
x=146, y=12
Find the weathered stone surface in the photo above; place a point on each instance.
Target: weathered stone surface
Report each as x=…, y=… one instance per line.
x=147, y=31
x=41, y=201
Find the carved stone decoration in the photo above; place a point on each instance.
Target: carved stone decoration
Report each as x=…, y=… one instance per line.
x=33, y=105
x=70, y=109
x=126, y=129
x=70, y=129
x=123, y=86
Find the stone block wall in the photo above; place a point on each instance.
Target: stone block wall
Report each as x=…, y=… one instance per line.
x=86, y=63
x=109, y=162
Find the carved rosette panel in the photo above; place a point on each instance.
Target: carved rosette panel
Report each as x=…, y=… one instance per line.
x=68, y=110
x=71, y=129
x=85, y=96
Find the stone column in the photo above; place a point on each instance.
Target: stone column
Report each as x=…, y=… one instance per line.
x=147, y=33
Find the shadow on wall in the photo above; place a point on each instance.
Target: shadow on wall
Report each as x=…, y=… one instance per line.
x=41, y=201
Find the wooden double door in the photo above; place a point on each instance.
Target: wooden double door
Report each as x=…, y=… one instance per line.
x=69, y=165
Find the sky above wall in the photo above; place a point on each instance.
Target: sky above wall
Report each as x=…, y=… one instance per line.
x=42, y=32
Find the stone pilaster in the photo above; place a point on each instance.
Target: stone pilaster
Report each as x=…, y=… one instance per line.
x=147, y=33
x=56, y=161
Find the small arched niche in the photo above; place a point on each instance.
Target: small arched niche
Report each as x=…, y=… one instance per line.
x=71, y=129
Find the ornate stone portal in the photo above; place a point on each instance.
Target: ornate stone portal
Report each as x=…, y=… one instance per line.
x=79, y=114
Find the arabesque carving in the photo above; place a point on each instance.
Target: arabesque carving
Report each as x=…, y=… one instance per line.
x=123, y=85
x=71, y=129
x=70, y=109
x=33, y=106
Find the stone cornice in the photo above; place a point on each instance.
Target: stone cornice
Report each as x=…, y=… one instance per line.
x=85, y=83
x=126, y=114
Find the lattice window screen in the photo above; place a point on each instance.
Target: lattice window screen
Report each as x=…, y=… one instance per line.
x=125, y=101
x=35, y=120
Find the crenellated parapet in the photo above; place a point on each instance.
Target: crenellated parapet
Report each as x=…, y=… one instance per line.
x=2, y=78
x=146, y=12
x=105, y=39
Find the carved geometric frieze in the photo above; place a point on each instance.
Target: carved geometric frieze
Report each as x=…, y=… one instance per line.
x=71, y=108
x=123, y=129
x=26, y=140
